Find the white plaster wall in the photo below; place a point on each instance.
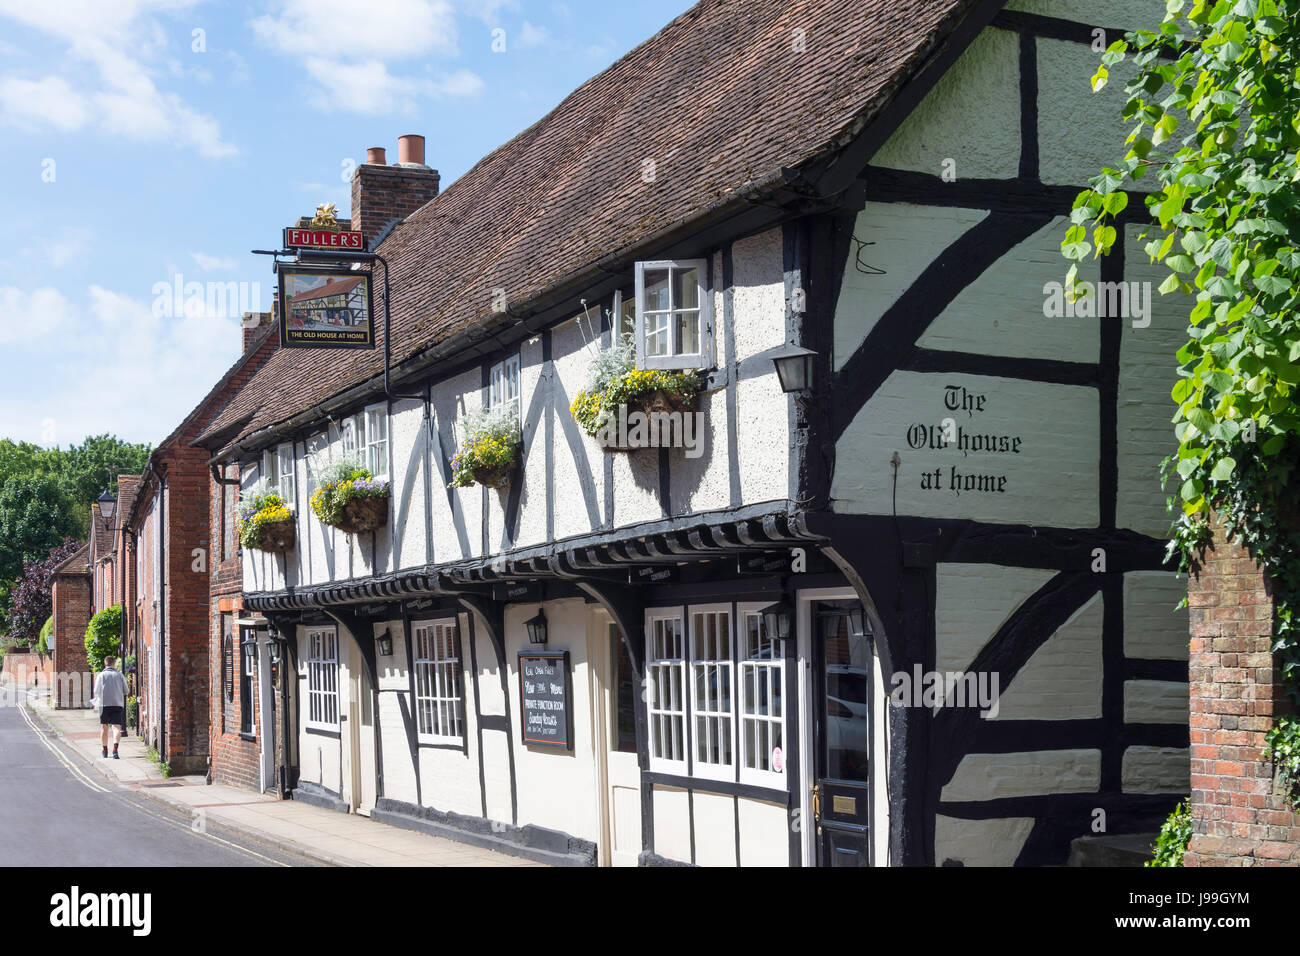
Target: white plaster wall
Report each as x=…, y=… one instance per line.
x=407, y=436
x=703, y=483
x=764, y=833
x=571, y=354
x=1001, y=312
x=902, y=241
x=450, y=398
x=1052, y=480
x=715, y=829
x=556, y=788
x=394, y=688
x=531, y=528
x=1154, y=626
x=1155, y=702
x=980, y=842
x=1122, y=14
x=971, y=602
x=1156, y=770
x=972, y=115
x=449, y=778
x=492, y=702
x=1062, y=680
x=992, y=776
x=673, y=823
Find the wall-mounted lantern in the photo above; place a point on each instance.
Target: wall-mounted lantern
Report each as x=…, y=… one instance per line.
x=777, y=621
x=385, y=642
x=794, y=366
x=536, y=628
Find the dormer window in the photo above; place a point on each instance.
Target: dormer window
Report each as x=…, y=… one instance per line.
x=674, y=314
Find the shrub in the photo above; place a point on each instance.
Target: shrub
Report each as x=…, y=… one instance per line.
x=1174, y=836
x=343, y=481
x=43, y=643
x=132, y=710
x=103, y=635
x=259, y=507
x=491, y=443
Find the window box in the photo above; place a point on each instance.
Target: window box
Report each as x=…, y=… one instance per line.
x=266, y=522
x=489, y=451
x=350, y=498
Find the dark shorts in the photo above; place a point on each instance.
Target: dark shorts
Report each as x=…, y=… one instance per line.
x=112, y=715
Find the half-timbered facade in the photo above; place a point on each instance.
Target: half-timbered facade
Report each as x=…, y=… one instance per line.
x=968, y=489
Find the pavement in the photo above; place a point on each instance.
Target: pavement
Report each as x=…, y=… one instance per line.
x=282, y=831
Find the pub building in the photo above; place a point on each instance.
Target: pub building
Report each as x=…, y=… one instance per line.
x=728, y=654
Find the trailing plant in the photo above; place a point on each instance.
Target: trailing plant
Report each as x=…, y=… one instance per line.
x=1213, y=104
x=613, y=380
x=103, y=635
x=489, y=448
x=342, y=481
x=132, y=710
x=262, y=513
x=1175, y=834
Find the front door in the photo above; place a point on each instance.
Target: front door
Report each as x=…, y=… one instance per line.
x=362, y=712
x=616, y=695
x=842, y=679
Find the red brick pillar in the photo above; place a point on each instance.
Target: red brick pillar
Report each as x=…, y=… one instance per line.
x=71, y=602
x=1240, y=816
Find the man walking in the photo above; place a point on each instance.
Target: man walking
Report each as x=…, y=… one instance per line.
x=112, y=704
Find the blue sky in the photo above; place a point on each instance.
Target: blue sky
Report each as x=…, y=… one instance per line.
x=149, y=142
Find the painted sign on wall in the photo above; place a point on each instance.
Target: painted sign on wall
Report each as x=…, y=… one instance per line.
x=544, y=698
x=325, y=308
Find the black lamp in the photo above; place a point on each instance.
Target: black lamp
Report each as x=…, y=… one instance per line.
x=386, y=644
x=777, y=619
x=536, y=628
x=794, y=366
x=107, y=505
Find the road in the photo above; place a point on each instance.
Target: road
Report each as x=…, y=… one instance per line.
x=59, y=812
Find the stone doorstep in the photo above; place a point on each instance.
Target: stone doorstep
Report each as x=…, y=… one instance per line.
x=1124, y=849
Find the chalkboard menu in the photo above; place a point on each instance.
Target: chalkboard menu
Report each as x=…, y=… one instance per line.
x=544, y=698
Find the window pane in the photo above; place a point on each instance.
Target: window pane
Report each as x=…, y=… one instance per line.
x=686, y=289
x=656, y=290
x=626, y=317
x=656, y=335
x=688, y=332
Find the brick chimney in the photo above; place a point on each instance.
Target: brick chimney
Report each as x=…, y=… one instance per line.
x=383, y=193
x=252, y=324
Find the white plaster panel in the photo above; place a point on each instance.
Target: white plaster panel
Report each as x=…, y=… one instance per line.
x=1156, y=770
x=764, y=833
x=1121, y=14
x=980, y=842
x=715, y=829
x=406, y=446
x=496, y=774
x=972, y=116
x=1062, y=679
x=1024, y=774
x=572, y=349
x=1050, y=480
x=399, y=771
x=1154, y=626
x=449, y=779
x=1147, y=374
x=903, y=240
x=450, y=399
x=758, y=292
x=672, y=817
x=1002, y=311
x=971, y=602
x=703, y=483
x=491, y=697
x=1155, y=702
x=762, y=439
x=531, y=527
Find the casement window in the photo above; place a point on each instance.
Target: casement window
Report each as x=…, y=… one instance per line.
x=762, y=702
x=365, y=437
x=624, y=322
x=247, y=675
x=317, y=459
x=716, y=695
x=439, y=690
x=323, y=678
x=277, y=467
x=503, y=384
x=666, y=672
x=674, y=314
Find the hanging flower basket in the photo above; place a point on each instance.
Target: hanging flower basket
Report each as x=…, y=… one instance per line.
x=489, y=452
x=608, y=408
x=351, y=499
x=266, y=523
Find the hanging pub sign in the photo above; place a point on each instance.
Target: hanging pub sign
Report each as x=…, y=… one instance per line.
x=544, y=698
x=325, y=307
x=324, y=232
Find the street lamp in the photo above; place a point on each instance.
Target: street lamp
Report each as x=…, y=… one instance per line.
x=107, y=506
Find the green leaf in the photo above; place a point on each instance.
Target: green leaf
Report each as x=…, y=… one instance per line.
x=1223, y=469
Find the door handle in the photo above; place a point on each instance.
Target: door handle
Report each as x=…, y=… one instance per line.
x=817, y=800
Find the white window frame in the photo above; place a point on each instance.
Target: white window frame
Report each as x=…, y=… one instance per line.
x=720, y=725
x=503, y=384
x=704, y=357
x=317, y=449
x=657, y=669
x=322, y=661
x=375, y=445
x=616, y=322
x=439, y=682
x=771, y=669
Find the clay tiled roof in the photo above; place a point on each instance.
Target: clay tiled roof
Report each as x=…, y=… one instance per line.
x=76, y=563
x=102, y=537
x=720, y=99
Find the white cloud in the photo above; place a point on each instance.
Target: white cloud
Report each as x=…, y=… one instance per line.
x=36, y=103
x=62, y=249
x=25, y=316
x=489, y=11
x=346, y=49
x=531, y=36
x=213, y=263
x=116, y=89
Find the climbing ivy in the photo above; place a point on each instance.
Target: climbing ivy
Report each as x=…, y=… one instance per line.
x=1216, y=131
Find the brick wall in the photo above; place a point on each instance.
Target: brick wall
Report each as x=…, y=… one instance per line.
x=382, y=194
x=1240, y=817
x=71, y=599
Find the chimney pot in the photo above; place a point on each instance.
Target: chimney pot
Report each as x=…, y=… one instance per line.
x=410, y=150
x=375, y=156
